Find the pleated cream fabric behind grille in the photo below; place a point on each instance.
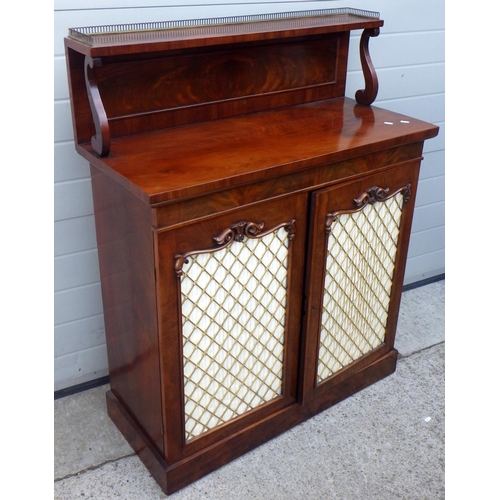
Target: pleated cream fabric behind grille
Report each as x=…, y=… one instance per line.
x=359, y=271
x=233, y=326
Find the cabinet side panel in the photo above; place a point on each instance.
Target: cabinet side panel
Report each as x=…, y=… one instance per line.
x=126, y=262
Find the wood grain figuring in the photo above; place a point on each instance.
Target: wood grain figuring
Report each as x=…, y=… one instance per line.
x=125, y=239
x=130, y=96
x=201, y=235
x=198, y=133
x=186, y=80
x=194, y=160
x=174, y=213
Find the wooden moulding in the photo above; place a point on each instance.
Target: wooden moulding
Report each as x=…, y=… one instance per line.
x=173, y=477
x=137, y=439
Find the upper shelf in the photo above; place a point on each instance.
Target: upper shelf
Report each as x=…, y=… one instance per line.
x=132, y=79
x=148, y=37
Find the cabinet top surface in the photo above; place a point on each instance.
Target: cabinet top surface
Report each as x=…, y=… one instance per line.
x=156, y=36
x=200, y=158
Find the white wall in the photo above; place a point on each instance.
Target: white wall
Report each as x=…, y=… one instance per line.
x=409, y=58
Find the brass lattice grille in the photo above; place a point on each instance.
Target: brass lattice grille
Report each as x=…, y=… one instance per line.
x=233, y=326
x=361, y=251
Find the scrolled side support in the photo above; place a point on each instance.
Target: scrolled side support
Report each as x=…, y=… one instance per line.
x=101, y=142
x=367, y=95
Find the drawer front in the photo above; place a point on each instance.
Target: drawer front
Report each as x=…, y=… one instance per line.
x=312, y=178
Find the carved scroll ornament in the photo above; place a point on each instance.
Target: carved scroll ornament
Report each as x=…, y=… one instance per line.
x=370, y=196
x=236, y=232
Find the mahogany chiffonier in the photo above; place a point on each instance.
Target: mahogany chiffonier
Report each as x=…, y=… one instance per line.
x=252, y=225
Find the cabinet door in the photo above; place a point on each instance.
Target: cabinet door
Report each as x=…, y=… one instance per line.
x=230, y=309
x=358, y=247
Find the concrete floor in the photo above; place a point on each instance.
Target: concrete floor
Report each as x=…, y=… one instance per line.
x=386, y=442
